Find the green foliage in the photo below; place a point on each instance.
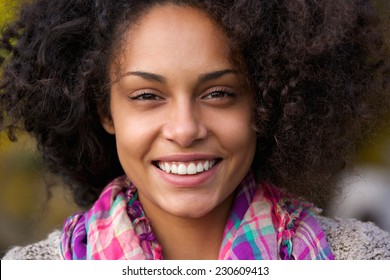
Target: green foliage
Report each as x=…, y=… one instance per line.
x=7, y=10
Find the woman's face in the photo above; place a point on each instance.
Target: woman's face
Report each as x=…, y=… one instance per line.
x=180, y=115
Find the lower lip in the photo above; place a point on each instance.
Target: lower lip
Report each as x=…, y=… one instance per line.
x=188, y=181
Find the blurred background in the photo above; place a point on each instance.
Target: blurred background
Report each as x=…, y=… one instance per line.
x=28, y=212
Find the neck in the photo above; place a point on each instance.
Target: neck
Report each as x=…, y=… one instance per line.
x=191, y=238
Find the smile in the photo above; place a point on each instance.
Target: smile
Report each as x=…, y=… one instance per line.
x=186, y=168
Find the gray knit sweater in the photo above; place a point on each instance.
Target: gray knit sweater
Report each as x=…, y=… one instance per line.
x=348, y=239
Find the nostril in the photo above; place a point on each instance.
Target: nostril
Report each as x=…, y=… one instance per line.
x=185, y=133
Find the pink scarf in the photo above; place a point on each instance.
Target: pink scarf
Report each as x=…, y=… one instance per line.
x=263, y=224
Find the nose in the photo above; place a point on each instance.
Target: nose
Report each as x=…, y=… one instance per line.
x=185, y=125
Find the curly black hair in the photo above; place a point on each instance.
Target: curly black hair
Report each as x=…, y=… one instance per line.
x=318, y=69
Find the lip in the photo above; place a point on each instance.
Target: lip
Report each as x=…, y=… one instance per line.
x=185, y=157
x=187, y=181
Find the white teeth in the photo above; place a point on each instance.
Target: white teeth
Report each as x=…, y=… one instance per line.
x=185, y=168
x=167, y=167
x=174, y=169
x=199, y=167
x=191, y=169
x=206, y=165
x=182, y=170
x=162, y=166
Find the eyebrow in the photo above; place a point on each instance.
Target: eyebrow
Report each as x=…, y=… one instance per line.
x=215, y=75
x=161, y=79
x=147, y=76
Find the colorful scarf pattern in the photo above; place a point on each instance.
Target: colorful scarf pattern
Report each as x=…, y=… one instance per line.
x=264, y=223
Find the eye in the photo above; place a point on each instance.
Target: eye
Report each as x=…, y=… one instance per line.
x=145, y=96
x=219, y=94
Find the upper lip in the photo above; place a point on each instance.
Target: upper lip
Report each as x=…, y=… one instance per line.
x=185, y=157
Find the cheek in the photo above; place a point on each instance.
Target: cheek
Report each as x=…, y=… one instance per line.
x=235, y=131
x=133, y=136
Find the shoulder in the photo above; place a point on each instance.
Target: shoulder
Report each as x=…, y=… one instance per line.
x=351, y=239
x=47, y=249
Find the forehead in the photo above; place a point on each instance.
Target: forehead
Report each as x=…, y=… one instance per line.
x=181, y=19
x=174, y=35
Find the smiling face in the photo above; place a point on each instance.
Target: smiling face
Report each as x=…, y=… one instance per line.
x=180, y=115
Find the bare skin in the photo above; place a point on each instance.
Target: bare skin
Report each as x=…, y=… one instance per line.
x=191, y=239
x=179, y=105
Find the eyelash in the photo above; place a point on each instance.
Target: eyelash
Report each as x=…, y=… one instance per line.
x=145, y=96
x=225, y=93
x=148, y=96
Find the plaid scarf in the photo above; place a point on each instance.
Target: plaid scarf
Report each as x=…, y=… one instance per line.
x=264, y=223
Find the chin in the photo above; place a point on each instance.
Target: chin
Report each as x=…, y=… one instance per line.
x=189, y=212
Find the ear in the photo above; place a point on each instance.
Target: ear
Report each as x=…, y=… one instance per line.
x=106, y=121
x=108, y=125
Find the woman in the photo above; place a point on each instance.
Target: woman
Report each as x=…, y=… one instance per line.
x=174, y=121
